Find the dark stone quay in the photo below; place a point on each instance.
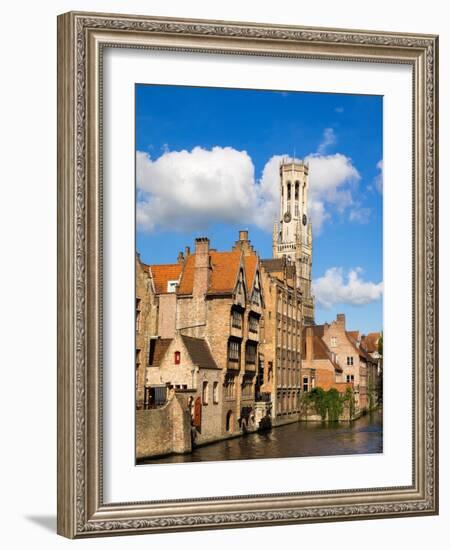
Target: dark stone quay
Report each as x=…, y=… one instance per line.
x=299, y=439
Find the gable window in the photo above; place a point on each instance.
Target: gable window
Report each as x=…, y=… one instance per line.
x=256, y=294
x=350, y=361
x=333, y=342
x=177, y=357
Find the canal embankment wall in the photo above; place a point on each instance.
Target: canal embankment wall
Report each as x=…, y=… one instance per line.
x=165, y=430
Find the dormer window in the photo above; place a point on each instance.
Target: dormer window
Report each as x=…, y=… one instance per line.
x=171, y=286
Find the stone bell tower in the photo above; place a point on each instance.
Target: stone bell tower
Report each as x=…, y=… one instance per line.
x=292, y=235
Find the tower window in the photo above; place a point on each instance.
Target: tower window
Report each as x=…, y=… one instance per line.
x=297, y=184
x=289, y=191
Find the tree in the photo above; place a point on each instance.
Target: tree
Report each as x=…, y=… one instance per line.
x=380, y=344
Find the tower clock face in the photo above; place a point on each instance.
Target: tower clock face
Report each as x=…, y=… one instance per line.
x=304, y=220
x=287, y=217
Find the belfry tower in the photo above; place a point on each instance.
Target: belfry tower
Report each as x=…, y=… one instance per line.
x=292, y=235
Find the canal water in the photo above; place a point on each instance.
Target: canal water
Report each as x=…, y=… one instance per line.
x=363, y=436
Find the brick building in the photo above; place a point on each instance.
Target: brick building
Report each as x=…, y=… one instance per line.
x=215, y=297
x=357, y=365
x=282, y=341
x=146, y=325
x=185, y=364
x=320, y=367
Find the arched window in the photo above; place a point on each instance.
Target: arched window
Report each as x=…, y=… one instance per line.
x=205, y=393
x=289, y=191
x=297, y=185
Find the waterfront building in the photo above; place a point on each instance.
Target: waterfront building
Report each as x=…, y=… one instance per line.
x=320, y=366
x=354, y=360
x=217, y=297
x=146, y=326
x=281, y=347
x=186, y=365
x=373, y=345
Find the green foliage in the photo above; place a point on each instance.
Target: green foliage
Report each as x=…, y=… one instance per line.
x=329, y=404
x=380, y=344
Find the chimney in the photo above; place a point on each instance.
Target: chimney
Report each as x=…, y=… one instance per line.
x=243, y=243
x=309, y=341
x=180, y=258
x=201, y=266
x=340, y=320
x=243, y=235
x=187, y=251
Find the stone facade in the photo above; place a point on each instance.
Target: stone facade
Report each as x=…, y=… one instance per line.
x=215, y=297
x=282, y=339
x=187, y=365
x=164, y=430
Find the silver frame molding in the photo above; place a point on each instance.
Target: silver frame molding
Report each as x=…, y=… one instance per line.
x=81, y=38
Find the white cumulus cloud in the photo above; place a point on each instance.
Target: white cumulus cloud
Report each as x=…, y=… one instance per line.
x=336, y=287
x=189, y=190
x=329, y=138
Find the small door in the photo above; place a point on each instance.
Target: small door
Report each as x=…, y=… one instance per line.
x=198, y=414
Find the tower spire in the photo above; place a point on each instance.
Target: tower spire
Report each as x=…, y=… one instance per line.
x=292, y=237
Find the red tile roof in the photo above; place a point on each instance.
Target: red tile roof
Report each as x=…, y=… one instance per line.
x=250, y=263
x=360, y=350
x=354, y=334
x=223, y=275
x=370, y=342
x=320, y=349
x=162, y=274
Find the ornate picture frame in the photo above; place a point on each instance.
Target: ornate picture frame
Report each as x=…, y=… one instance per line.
x=82, y=511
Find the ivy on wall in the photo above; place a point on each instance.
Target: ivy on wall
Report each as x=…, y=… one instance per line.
x=329, y=404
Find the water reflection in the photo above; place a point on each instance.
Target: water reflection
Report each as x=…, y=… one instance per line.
x=364, y=436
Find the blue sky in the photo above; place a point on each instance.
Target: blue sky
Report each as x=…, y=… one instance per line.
x=206, y=166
